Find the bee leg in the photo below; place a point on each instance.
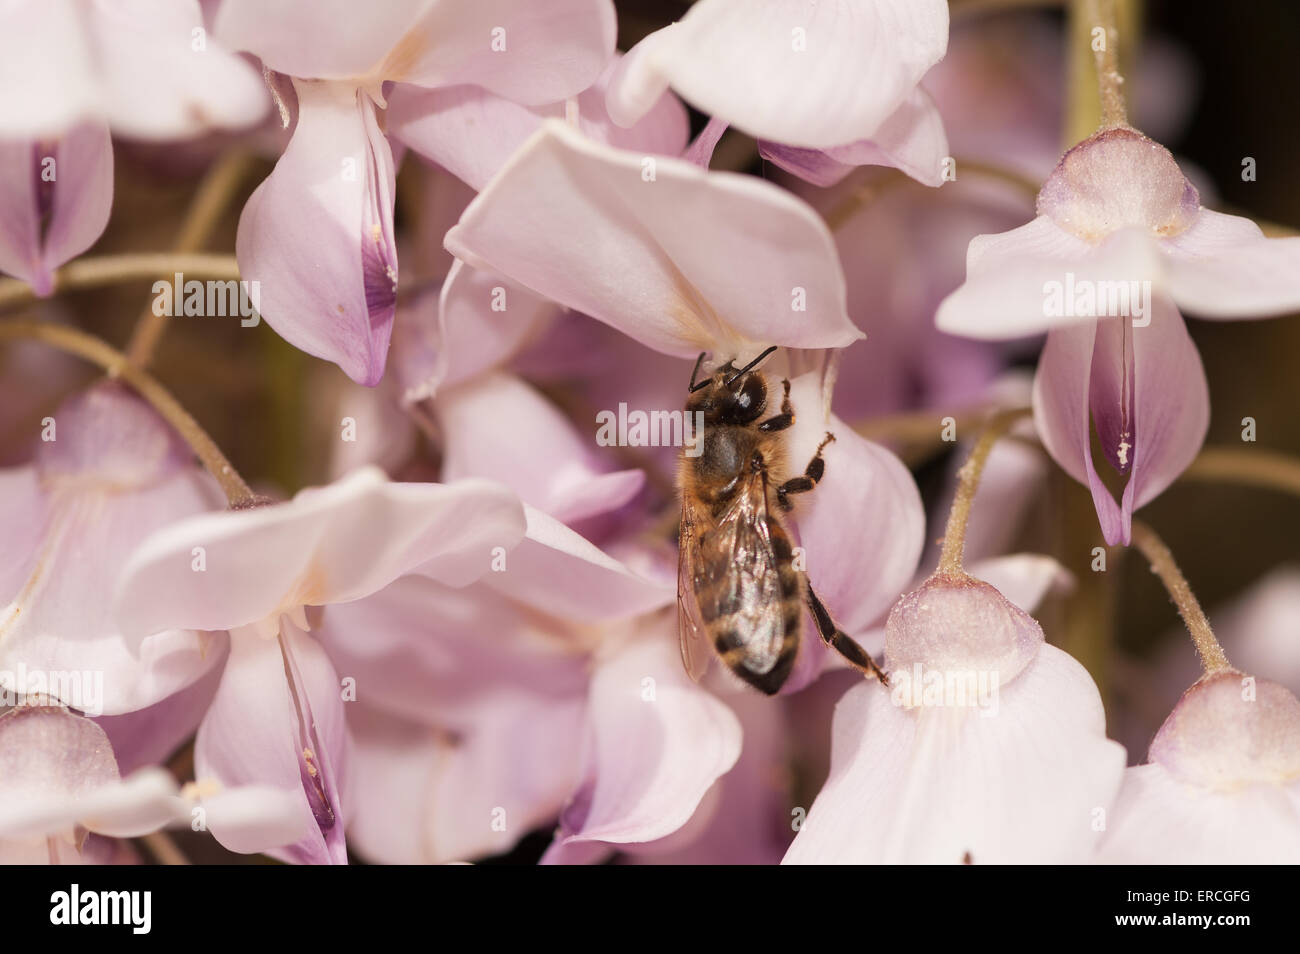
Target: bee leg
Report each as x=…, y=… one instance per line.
x=813, y=473
x=783, y=420
x=841, y=642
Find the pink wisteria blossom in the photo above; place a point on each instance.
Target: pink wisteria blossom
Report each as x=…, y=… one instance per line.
x=1120, y=244
x=743, y=466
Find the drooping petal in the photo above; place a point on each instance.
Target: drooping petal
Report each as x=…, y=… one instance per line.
x=277, y=720
x=680, y=259
x=55, y=200
x=1062, y=417
x=471, y=132
x=533, y=449
x=790, y=71
x=1144, y=389
x=1171, y=404
x=660, y=742
x=1023, y=785
x=1224, y=267
x=317, y=235
x=329, y=544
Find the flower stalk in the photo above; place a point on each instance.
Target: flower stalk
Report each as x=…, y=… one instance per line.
x=1213, y=658
x=968, y=481
x=99, y=352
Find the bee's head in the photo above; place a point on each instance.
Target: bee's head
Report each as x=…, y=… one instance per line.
x=729, y=396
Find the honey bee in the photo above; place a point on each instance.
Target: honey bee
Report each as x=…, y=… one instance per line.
x=738, y=589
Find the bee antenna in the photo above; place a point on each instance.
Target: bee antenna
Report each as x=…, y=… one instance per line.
x=694, y=374
x=749, y=367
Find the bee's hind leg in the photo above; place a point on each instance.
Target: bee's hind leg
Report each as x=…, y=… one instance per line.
x=805, y=482
x=841, y=642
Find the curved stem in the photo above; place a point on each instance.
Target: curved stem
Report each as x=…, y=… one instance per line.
x=93, y=272
x=954, y=537
x=1255, y=468
x=210, y=202
x=1213, y=659
x=98, y=352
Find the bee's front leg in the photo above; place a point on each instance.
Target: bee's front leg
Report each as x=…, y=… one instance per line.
x=813, y=473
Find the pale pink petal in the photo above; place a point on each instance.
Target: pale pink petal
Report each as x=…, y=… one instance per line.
x=438, y=655
x=534, y=449
x=813, y=75
x=482, y=320
x=150, y=736
x=277, y=720
x=634, y=86
x=1160, y=820
x=1171, y=406
x=700, y=151
x=83, y=194
x=54, y=201
x=531, y=53
x=660, y=742
x=471, y=132
x=49, y=759
x=46, y=69
x=251, y=815
x=678, y=258
x=1224, y=267
x=561, y=573
x=911, y=140
x=1020, y=282
x=324, y=39
x=114, y=474
x=317, y=235
x=1023, y=578
x=1062, y=416
x=1025, y=784
x=162, y=76
x=329, y=544
x=811, y=165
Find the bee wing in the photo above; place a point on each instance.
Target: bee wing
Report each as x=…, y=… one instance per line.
x=754, y=580
x=690, y=627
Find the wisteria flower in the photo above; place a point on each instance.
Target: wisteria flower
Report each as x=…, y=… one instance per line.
x=1120, y=243
x=989, y=746
x=73, y=70
x=62, y=798
x=108, y=472
x=277, y=716
x=317, y=235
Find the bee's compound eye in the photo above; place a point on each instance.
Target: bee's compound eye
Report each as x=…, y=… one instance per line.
x=751, y=394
